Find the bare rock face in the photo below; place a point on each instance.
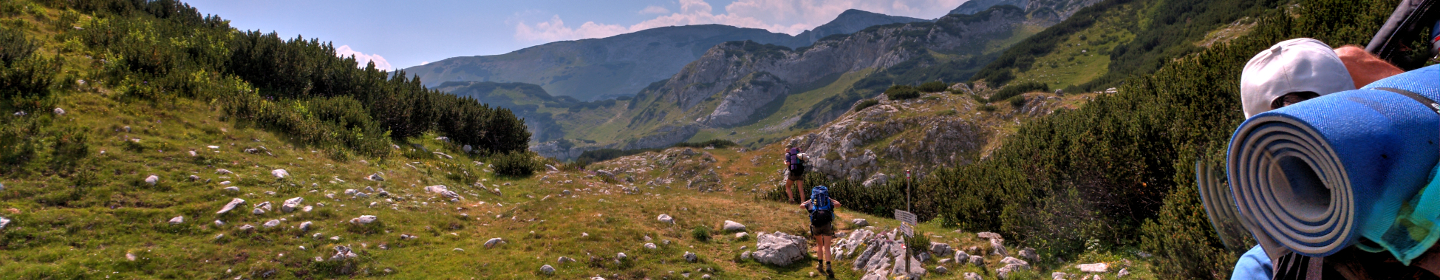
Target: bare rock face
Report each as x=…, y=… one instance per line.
x=843, y=150
x=747, y=95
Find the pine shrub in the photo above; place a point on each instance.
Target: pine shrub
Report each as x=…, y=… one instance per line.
x=516, y=164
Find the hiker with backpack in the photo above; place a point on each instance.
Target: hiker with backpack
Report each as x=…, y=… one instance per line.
x=794, y=173
x=822, y=214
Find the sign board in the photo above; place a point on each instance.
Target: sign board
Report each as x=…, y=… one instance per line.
x=906, y=220
x=905, y=217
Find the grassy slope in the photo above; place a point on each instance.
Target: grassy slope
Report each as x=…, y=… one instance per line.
x=1066, y=65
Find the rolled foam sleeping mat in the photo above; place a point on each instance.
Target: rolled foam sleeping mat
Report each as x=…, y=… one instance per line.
x=1318, y=175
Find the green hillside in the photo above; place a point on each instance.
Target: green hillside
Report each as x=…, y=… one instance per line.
x=1122, y=37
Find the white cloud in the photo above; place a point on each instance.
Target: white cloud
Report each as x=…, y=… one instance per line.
x=655, y=10
x=784, y=16
x=363, y=59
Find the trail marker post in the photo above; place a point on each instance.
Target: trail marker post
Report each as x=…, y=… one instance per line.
x=907, y=222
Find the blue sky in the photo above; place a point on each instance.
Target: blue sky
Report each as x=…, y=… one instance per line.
x=408, y=33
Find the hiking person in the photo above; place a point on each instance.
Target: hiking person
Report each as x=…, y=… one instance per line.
x=822, y=216
x=1290, y=72
x=794, y=174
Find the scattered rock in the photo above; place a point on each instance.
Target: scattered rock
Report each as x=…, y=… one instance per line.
x=779, y=248
x=351, y=192
x=230, y=206
x=940, y=270
x=219, y=223
x=620, y=256
x=4, y=222
x=261, y=209
x=306, y=209
x=364, y=219
x=665, y=219
x=650, y=246
x=940, y=249
x=973, y=276
x=223, y=171
x=59, y=112
x=977, y=261
x=741, y=235
x=988, y=235
x=732, y=226
x=343, y=252
x=745, y=255
x=497, y=241
x=1010, y=265
x=152, y=180
x=247, y=227
x=546, y=269
x=1059, y=275
x=129, y=256
x=1093, y=267
x=690, y=257
x=177, y=220
x=1123, y=272
x=562, y=259
x=271, y=223
x=999, y=247
x=290, y=204
x=194, y=177
x=961, y=258
x=443, y=191
x=860, y=223
x=231, y=189
x=280, y=173
x=305, y=226
x=1029, y=254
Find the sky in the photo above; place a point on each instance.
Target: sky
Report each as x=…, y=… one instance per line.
x=399, y=34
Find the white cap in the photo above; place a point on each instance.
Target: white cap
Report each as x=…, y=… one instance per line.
x=1295, y=65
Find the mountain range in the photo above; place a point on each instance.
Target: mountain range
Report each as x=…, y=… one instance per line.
x=621, y=65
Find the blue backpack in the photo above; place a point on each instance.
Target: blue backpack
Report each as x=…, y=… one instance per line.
x=822, y=212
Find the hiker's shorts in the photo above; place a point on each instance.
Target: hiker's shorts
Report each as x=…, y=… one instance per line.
x=796, y=176
x=826, y=229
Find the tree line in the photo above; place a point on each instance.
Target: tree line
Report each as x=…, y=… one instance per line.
x=153, y=50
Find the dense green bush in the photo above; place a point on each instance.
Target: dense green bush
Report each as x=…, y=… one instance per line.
x=1018, y=89
x=901, y=92
x=866, y=104
x=933, y=86
x=515, y=164
x=717, y=143
x=700, y=233
x=25, y=78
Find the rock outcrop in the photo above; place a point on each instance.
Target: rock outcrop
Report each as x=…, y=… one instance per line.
x=779, y=248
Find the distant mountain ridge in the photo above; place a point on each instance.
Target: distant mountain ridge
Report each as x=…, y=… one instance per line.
x=622, y=65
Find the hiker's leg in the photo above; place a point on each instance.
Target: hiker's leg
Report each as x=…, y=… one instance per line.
x=824, y=247
x=788, y=194
x=800, y=187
